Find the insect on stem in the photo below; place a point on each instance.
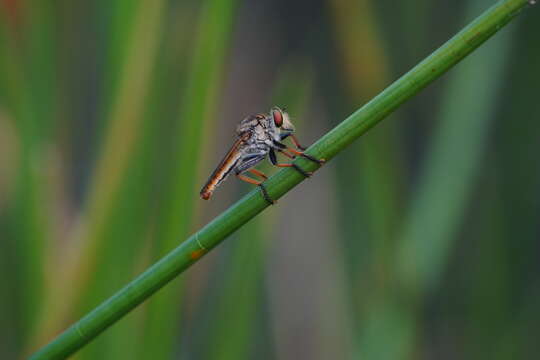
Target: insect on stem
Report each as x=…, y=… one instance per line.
x=258, y=136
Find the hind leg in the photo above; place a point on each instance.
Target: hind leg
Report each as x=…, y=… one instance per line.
x=246, y=166
x=259, y=184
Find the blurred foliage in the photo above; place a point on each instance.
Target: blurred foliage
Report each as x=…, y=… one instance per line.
x=422, y=239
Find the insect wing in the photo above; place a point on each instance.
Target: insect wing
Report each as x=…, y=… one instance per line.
x=225, y=167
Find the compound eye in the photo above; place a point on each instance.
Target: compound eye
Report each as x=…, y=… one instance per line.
x=278, y=117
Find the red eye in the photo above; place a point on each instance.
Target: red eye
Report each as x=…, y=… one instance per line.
x=278, y=118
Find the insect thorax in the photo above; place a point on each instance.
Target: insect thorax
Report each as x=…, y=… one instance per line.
x=261, y=129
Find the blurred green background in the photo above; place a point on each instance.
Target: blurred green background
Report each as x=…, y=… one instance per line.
x=419, y=241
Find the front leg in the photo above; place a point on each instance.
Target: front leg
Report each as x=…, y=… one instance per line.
x=297, y=143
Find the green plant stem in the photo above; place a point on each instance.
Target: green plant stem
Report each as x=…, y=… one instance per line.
x=253, y=203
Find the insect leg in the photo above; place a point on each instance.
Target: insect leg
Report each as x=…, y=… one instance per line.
x=309, y=157
x=259, y=184
x=248, y=179
x=273, y=159
x=287, y=154
x=282, y=147
x=297, y=143
x=258, y=173
x=272, y=156
x=248, y=162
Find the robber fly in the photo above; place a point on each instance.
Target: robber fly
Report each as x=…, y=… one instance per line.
x=258, y=135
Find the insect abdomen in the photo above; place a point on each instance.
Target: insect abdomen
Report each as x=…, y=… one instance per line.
x=220, y=174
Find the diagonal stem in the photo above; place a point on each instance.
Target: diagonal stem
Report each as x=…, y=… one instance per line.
x=166, y=269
